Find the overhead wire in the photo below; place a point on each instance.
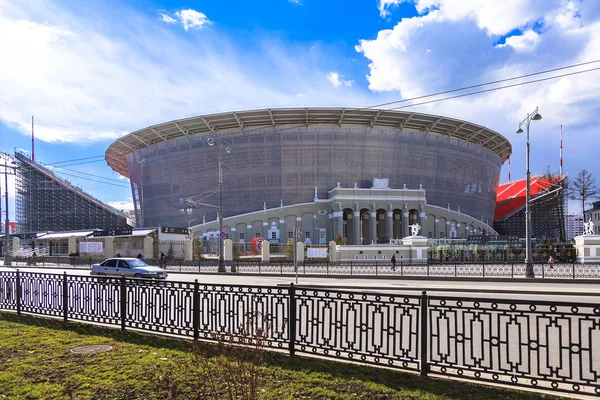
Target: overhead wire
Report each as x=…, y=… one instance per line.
x=337, y=113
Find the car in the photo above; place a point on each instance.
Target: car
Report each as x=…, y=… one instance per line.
x=132, y=267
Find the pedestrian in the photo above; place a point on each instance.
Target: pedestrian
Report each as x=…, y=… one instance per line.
x=140, y=256
x=118, y=255
x=163, y=260
x=551, y=262
x=393, y=260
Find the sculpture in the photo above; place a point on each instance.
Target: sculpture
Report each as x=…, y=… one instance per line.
x=588, y=227
x=414, y=229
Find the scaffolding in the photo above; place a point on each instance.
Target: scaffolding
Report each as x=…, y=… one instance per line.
x=45, y=202
x=548, y=215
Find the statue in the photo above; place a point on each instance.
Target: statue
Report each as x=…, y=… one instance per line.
x=588, y=227
x=414, y=229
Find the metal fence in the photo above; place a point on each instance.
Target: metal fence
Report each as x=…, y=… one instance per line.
x=457, y=269
x=539, y=344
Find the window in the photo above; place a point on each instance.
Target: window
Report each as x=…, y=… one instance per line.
x=273, y=235
x=430, y=235
x=227, y=236
x=242, y=235
x=290, y=235
x=307, y=235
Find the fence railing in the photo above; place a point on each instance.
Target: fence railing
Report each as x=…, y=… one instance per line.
x=457, y=269
x=535, y=344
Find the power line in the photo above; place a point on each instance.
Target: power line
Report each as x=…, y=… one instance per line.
x=87, y=173
x=494, y=89
x=76, y=159
x=95, y=180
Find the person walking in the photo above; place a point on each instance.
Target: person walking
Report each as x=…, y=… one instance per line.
x=393, y=260
x=163, y=260
x=551, y=262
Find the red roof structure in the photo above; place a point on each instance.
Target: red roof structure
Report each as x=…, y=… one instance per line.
x=511, y=196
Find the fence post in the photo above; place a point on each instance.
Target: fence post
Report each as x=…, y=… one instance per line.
x=512, y=269
x=123, y=302
x=543, y=276
x=376, y=262
x=573, y=268
x=483, y=270
x=196, y=310
x=350, y=267
x=327, y=268
x=424, y=336
x=65, y=298
x=401, y=268
x=18, y=291
x=259, y=266
x=292, y=318
x=455, y=267
x=281, y=267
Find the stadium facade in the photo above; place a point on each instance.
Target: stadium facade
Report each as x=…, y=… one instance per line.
x=45, y=202
x=363, y=173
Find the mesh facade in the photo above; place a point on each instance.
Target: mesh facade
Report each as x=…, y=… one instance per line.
x=45, y=202
x=270, y=166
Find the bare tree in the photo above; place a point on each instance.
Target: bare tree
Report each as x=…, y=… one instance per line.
x=583, y=188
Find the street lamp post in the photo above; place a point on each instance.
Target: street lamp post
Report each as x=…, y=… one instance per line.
x=212, y=142
x=534, y=116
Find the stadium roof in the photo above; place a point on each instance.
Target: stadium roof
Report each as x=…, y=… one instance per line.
x=511, y=196
x=285, y=118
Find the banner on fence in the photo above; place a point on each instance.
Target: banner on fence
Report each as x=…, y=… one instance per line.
x=318, y=252
x=90, y=247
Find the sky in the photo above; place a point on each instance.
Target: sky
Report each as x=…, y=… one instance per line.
x=90, y=72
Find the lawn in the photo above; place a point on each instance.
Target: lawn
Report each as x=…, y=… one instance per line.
x=36, y=362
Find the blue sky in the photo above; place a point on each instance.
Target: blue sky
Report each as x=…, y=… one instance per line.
x=92, y=71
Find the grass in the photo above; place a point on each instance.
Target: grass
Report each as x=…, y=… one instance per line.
x=36, y=363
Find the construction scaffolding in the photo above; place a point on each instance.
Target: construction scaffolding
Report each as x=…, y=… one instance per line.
x=549, y=204
x=44, y=202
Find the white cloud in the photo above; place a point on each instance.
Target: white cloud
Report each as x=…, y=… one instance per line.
x=101, y=78
x=167, y=18
x=385, y=5
x=454, y=43
x=523, y=43
x=297, y=2
x=336, y=80
x=192, y=19
x=126, y=205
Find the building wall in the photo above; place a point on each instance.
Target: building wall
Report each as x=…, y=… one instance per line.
x=574, y=226
x=267, y=167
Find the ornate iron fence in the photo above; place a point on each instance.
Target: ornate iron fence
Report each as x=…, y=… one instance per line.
x=282, y=266
x=540, y=344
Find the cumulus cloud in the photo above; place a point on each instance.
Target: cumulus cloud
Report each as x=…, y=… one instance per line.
x=192, y=19
x=456, y=43
x=335, y=79
x=523, y=43
x=297, y=2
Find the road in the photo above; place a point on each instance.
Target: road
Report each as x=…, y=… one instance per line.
x=575, y=291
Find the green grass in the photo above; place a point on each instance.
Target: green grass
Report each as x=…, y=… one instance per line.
x=36, y=363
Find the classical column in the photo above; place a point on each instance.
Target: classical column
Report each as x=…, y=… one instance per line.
x=283, y=237
x=422, y=219
x=390, y=221
x=405, y=220
x=435, y=228
x=357, y=221
x=373, y=223
x=340, y=221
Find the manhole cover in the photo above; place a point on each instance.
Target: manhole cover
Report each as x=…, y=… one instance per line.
x=92, y=349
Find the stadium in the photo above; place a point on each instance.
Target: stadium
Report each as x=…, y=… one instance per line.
x=364, y=174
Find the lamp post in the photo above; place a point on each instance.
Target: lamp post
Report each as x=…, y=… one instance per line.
x=212, y=142
x=189, y=227
x=534, y=116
